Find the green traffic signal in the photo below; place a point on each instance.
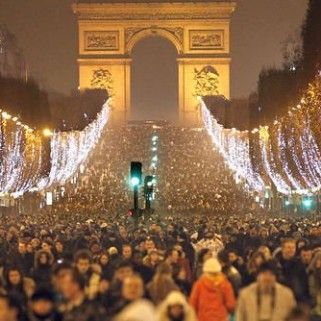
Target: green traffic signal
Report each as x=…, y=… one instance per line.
x=134, y=181
x=135, y=173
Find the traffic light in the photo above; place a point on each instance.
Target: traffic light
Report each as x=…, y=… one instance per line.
x=149, y=185
x=135, y=173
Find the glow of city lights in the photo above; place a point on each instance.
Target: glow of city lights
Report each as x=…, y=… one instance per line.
x=286, y=153
x=5, y=115
x=47, y=132
x=22, y=159
x=70, y=149
x=234, y=147
x=307, y=203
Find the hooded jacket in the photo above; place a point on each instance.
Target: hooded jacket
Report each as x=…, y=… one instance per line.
x=247, y=307
x=175, y=298
x=140, y=310
x=213, y=298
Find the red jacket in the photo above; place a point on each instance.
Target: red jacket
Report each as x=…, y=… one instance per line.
x=213, y=298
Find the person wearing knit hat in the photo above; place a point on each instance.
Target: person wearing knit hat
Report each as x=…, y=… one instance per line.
x=212, y=295
x=212, y=266
x=42, y=306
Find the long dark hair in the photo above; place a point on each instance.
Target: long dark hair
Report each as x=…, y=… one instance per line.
x=7, y=271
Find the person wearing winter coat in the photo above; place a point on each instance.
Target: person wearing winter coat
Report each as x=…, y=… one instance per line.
x=41, y=273
x=18, y=286
x=230, y=272
x=140, y=310
x=9, y=309
x=253, y=265
x=292, y=273
x=265, y=300
x=162, y=283
x=212, y=295
x=90, y=272
x=42, y=306
x=314, y=271
x=77, y=306
x=175, y=308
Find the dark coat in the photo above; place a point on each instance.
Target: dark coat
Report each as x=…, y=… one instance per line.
x=292, y=274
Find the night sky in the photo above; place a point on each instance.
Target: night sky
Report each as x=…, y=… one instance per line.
x=47, y=32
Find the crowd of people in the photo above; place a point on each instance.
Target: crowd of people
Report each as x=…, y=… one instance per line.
x=191, y=176
x=195, y=177
x=166, y=268
x=202, y=255
x=102, y=185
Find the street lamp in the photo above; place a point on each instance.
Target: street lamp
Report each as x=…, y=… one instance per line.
x=47, y=132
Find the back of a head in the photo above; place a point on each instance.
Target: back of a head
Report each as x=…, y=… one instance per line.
x=164, y=268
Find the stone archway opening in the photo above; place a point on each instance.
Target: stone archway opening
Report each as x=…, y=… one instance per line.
x=154, y=80
x=199, y=30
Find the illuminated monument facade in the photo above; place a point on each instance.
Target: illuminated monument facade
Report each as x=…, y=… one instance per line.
x=199, y=30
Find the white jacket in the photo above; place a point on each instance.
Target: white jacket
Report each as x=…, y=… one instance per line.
x=247, y=307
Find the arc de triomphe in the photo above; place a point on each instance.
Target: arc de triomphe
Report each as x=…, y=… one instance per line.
x=199, y=30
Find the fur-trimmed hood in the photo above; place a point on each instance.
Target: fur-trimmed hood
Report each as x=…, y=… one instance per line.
x=37, y=258
x=175, y=298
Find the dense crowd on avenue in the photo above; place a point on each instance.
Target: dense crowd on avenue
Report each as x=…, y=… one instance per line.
x=166, y=268
x=190, y=175
x=201, y=256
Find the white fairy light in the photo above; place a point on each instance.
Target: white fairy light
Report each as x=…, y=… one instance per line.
x=312, y=156
x=234, y=147
x=22, y=163
x=269, y=166
x=69, y=150
x=291, y=160
x=19, y=154
x=285, y=166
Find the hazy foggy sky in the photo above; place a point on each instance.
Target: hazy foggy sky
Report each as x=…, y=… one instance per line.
x=47, y=32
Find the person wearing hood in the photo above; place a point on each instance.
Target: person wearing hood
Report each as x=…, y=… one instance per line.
x=266, y=299
x=140, y=310
x=314, y=270
x=41, y=273
x=212, y=295
x=175, y=308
